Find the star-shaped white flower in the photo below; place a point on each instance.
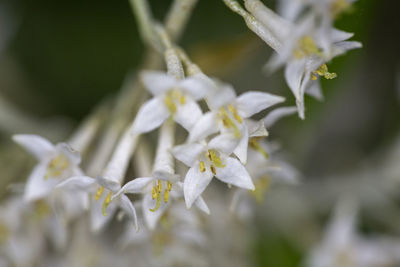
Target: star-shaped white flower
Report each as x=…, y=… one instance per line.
x=171, y=97
x=230, y=115
x=205, y=162
x=56, y=163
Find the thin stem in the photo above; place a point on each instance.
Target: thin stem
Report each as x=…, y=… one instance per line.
x=254, y=25
x=178, y=16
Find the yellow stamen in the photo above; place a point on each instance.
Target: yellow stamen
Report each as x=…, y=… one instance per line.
x=99, y=192
x=228, y=123
x=235, y=114
x=253, y=142
x=57, y=166
x=169, y=186
x=106, y=203
x=323, y=71
x=216, y=160
x=159, y=187
x=202, y=166
x=213, y=169
x=158, y=203
x=170, y=104
x=166, y=195
x=154, y=192
x=182, y=100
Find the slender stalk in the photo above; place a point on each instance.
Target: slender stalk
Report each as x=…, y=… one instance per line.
x=178, y=16
x=164, y=160
x=254, y=25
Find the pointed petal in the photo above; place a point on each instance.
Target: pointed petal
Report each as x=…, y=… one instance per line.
x=225, y=143
x=157, y=82
x=205, y=126
x=151, y=217
x=188, y=114
x=257, y=128
x=78, y=183
x=151, y=115
x=342, y=47
x=314, y=89
x=188, y=153
x=339, y=36
x=277, y=114
x=73, y=155
x=37, y=186
x=195, y=183
x=34, y=144
x=135, y=186
x=251, y=103
x=235, y=173
x=241, y=149
x=97, y=219
x=202, y=205
x=129, y=209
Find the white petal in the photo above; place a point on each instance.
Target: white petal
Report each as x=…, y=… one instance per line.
x=37, y=186
x=129, y=209
x=251, y=103
x=157, y=82
x=205, y=126
x=314, y=89
x=202, y=205
x=111, y=185
x=224, y=95
x=73, y=155
x=294, y=73
x=257, y=128
x=235, y=173
x=77, y=183
x=188, y=153
x=277, y=114
x=151, y=115
x=152, y=217
x=241, y=149
x=338, y=35
x=197, y=86
x=225, y=143
x=34, y=144
x=342, y=47
x=195, y=183
x=97, y=219
x=135, y=186
x=188, y=114
x=166, y=176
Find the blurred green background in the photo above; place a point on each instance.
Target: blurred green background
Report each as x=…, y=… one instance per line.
x=65, y=56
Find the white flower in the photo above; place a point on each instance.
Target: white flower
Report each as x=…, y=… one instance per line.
x=171, y=97
x=56, y=163
x=230, y=115
x=206, y=161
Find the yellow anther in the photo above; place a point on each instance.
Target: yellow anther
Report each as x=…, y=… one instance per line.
x=202, y=166
x=56, y=166
x=159, y=187
x=253, y=143
x=228, y=123
x=213, y=169
x=166, y=195
x=175, y=94
x=323, y=71
x=306, y=47
x=216, y=160
x=4, y=233
x=158, y=204
x=170, y=104
x=106, y=203
x=154, y=192
x=233, y=110
x=182, y=100
x=261, y=186
x=169, y=186
x=99, y=192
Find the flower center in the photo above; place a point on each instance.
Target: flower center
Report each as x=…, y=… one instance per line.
x=254, y=144
x=323, y=71
x=173, y=98
x=261, y=186
x=306, y=46
x=57, y=166
x=213, y=161
x=230, y=117
x=157, y=191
